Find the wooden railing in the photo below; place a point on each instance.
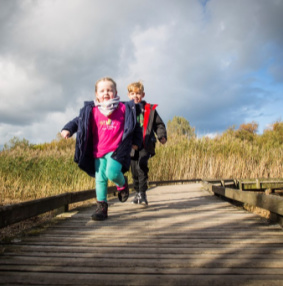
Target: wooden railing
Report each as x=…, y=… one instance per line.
x=14, y=213
x=232, y=189
x=265, y=194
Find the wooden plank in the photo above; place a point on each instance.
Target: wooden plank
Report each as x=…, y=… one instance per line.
x=134, y=279
x=156, y=263
x=196, y=235
x=141, y=270
x=144, y=255
x=64, y=249
x=159, y=240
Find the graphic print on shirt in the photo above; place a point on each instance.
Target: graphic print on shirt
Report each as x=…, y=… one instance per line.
x=108, y=124
x=140, y=119
x=107, y=131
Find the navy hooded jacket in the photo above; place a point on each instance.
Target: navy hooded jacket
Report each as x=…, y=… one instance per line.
x=84, y=142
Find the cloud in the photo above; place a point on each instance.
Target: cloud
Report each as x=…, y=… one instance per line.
x=217, y=63
x=25, y=96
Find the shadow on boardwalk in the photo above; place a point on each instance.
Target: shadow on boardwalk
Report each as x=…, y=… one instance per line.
x=184, y=237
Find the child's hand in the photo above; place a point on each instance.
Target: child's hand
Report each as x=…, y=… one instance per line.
x=65, y=134
x=163, y=140
x=135, y=147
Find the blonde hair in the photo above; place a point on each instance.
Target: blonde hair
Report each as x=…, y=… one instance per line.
x=136, y=86
x=105, y=79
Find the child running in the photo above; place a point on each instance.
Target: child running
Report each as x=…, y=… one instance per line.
x=153, y=126
x=106, y=133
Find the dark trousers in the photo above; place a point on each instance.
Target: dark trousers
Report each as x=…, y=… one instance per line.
x=139, y=168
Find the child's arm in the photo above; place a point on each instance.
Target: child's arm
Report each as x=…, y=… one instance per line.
x=163, y=140
x=135, y=147
x=159, y=128
x=70, y=128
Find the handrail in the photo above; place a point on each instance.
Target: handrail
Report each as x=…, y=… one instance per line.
x=272, y=203
x=14, y=213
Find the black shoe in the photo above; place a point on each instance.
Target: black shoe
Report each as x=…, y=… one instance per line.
x=140, y=198
x=123, y=192
x=136, y=198
x=143, y=199
x=101, y=212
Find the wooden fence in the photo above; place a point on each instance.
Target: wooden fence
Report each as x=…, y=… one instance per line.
x=264, y=194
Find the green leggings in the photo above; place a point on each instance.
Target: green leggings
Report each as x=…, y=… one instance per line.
x=107, y=168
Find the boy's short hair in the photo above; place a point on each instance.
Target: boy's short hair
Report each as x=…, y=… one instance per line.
x=136, y=86
x=106, y=79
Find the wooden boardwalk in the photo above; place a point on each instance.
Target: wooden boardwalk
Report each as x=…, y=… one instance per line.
x=184, y=237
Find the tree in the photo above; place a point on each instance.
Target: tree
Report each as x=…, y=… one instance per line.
x=249, y=127
x=247, y=131
x=274, y=135
x=180, y=126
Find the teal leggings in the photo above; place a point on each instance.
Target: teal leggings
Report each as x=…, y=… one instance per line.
x=107, y=168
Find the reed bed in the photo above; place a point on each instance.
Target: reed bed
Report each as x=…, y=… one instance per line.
x=215, y=158
x=30, y=172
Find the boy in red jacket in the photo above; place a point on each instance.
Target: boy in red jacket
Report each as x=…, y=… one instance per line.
x=153, y=127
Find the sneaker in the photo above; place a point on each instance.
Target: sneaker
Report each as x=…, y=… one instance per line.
x=101, y=212
x=123, y=192
x=136, y=198
x=143, y=199
x=140, y=198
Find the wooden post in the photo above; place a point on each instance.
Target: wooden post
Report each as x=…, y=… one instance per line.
x=66, y=208
x=258, y=184
x=276, y=218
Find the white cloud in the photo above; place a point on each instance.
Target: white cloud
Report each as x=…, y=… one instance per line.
x=25, y=96
x=45, y=130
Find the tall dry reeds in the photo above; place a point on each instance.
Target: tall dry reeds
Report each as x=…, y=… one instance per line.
x=214, y=158
x=34, y=171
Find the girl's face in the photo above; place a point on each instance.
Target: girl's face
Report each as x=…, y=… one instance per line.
x=105, y=91
x=137, y=96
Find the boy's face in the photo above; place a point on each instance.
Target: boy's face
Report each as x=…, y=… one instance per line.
x=136, y=95
x=105, y=91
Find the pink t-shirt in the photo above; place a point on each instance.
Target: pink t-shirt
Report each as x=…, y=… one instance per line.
x=107, y=131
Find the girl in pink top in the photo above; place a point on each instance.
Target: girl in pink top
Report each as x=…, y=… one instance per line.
x=107, y=124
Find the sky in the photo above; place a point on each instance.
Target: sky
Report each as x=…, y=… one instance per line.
x=217, y=63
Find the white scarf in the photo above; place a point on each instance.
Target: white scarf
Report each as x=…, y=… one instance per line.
x=107, y=107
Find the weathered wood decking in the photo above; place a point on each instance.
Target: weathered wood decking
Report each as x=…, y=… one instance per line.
x=184, y=237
